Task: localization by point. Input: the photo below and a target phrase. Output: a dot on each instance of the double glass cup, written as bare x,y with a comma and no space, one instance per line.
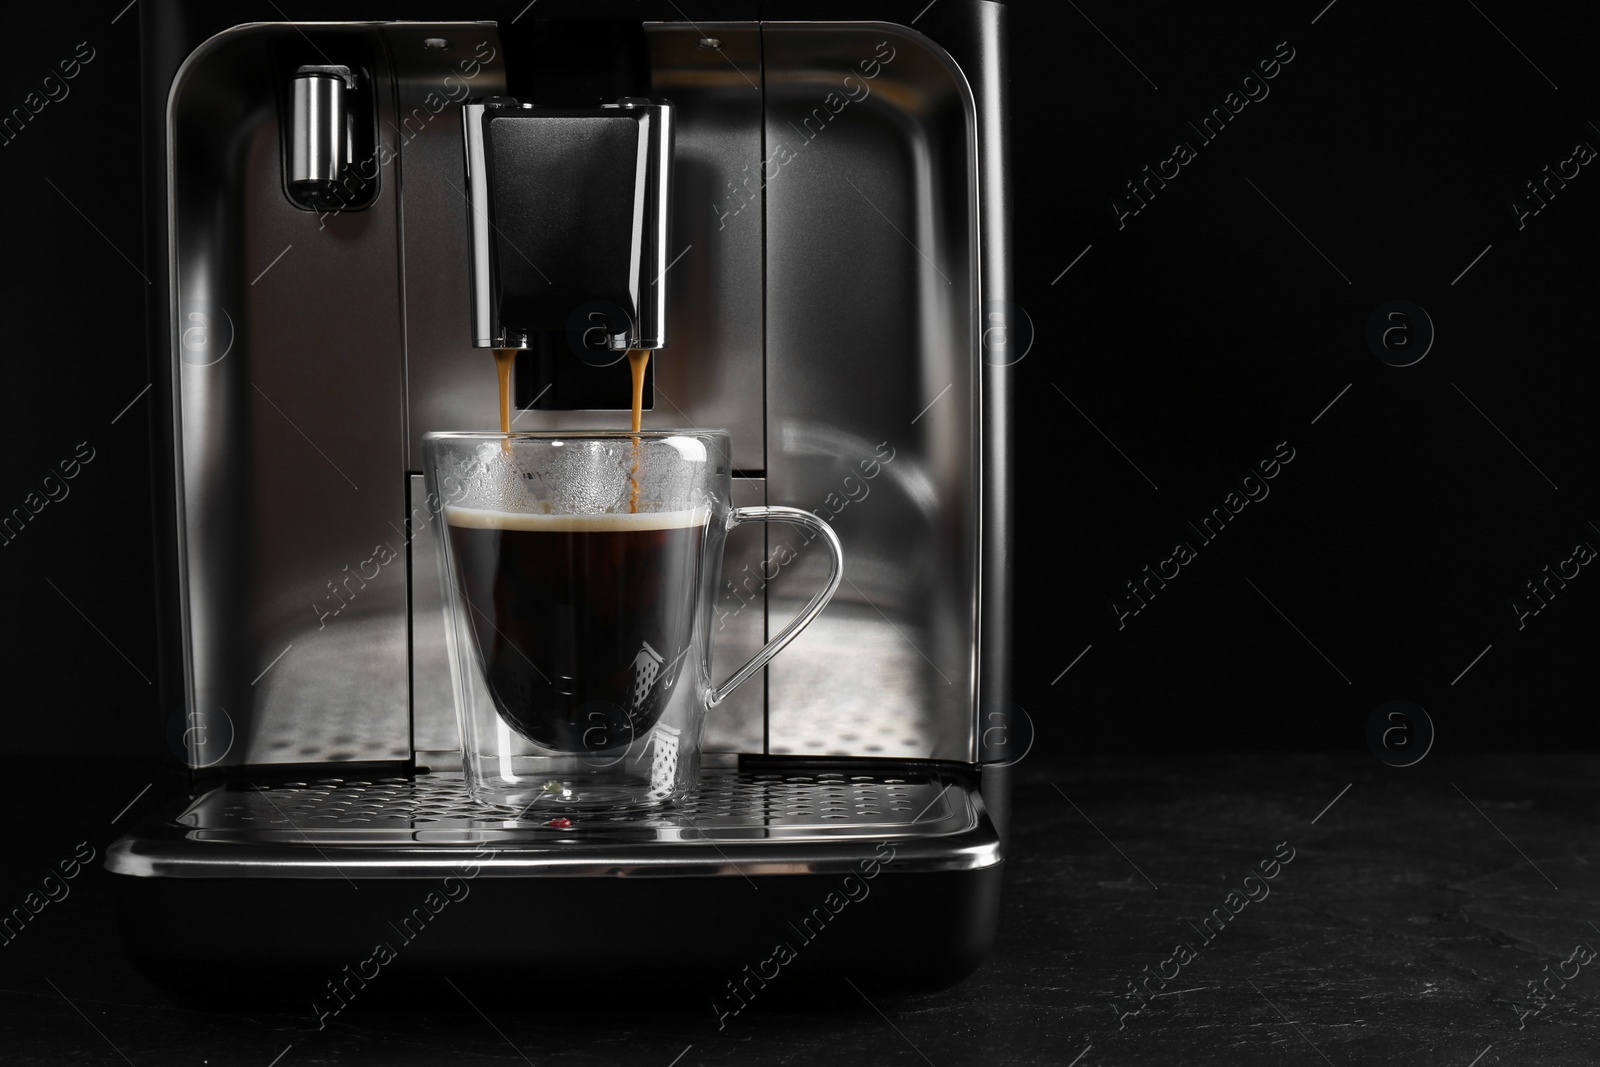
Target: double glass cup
580,574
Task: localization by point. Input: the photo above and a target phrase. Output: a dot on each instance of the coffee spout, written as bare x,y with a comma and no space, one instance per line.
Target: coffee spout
569,216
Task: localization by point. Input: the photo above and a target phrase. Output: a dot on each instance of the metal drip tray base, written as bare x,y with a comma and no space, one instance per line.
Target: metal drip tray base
838,863
737,822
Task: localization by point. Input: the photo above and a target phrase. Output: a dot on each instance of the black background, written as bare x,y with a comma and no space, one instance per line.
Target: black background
1217,322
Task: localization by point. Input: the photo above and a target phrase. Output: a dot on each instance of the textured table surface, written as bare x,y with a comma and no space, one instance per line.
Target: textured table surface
1438,914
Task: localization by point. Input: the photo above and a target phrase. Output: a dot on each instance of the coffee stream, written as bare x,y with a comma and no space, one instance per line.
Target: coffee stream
503,358
638,360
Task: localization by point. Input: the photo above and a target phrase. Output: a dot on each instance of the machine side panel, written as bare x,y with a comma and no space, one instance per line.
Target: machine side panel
873,387
287,378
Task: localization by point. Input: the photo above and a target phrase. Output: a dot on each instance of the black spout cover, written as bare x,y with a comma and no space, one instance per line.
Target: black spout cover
572,212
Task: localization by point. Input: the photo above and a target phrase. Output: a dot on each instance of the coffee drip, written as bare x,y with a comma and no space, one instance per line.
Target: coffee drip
638,360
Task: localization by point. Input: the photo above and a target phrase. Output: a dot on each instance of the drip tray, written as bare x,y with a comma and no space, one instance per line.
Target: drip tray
737,822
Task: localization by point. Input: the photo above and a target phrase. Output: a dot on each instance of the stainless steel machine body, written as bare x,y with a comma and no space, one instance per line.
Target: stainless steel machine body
838,252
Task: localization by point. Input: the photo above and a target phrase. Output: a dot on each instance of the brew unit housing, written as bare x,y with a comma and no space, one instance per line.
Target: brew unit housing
808,216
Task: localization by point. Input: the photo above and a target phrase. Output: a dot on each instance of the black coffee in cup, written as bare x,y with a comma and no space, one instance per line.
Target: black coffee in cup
580,622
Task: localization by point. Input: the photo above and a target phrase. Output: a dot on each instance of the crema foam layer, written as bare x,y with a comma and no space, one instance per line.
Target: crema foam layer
492,519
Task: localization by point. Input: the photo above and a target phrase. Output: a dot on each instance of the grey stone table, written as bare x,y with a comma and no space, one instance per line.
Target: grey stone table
1167,909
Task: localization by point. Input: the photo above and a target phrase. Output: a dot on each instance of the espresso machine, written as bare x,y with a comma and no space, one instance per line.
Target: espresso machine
804,214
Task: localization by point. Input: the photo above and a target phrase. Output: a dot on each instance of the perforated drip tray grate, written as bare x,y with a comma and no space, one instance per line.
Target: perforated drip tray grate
724,802
736,821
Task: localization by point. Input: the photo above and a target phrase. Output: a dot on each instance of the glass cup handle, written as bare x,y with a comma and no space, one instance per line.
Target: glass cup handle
818,602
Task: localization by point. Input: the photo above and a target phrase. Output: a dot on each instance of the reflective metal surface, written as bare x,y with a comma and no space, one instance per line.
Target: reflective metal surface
288,385
873,415
449,384
738,822
319,129
984,59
